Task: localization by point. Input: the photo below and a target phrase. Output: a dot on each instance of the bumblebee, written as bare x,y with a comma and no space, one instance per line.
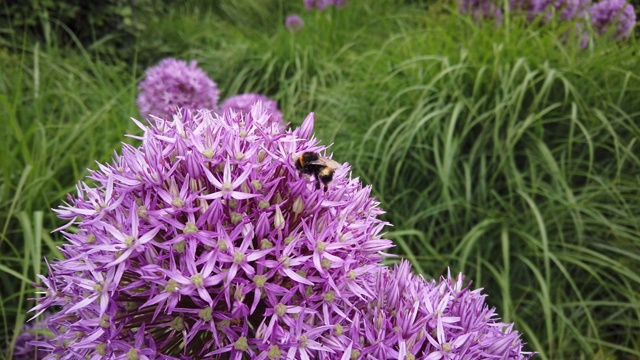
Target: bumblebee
320,167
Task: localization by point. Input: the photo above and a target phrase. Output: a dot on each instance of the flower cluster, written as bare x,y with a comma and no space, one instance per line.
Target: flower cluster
480,9
566,9
408,317
244,102
618,14
206,242
323,4
607,13
30,334
293,22
172,84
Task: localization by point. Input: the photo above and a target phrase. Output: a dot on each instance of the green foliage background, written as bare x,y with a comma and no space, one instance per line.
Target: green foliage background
504,152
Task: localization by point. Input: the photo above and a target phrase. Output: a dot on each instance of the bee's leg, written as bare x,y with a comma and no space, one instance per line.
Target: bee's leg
317,183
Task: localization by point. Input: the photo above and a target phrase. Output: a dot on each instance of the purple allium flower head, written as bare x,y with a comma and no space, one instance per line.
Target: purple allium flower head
26,346
206,242
323,4
617,13
480,9
172,84
294,22
567,9
410,318
244,103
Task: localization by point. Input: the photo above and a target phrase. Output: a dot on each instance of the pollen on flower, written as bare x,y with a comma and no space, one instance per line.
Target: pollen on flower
142,212
177,324
238,257
241,344
177,202
329,296
235,217
281,309
259,280
337,330
266,244
190,228
179,246
129,240
274,352
325,263
208,153
132,354
97,287
351,275
105,321
206,314
285,261
256,185
197,280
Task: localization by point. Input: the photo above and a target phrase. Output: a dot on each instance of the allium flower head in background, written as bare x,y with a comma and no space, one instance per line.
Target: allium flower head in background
411,318
323,4
172,84
617,13
565,9
243,103
206,242
481,10
26,346
294,22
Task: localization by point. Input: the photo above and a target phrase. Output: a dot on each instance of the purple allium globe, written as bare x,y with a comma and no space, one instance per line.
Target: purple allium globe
480,10
407,317
206,242
26,346
172,84
293,22
617,13
323,4
567,9
244,102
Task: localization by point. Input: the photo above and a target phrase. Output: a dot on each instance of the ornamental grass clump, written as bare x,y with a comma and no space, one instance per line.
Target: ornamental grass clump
206,242
173,84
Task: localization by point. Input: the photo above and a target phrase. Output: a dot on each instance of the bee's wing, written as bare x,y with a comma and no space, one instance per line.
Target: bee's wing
326,162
